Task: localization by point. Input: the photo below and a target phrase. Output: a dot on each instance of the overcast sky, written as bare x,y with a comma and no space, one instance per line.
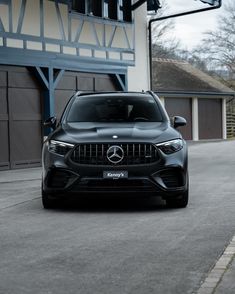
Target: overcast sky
189,29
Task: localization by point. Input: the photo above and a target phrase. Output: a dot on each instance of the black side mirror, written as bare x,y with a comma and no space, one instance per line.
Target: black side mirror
179,121
50,122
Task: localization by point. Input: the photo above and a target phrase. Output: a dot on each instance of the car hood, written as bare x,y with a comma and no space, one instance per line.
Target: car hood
102,132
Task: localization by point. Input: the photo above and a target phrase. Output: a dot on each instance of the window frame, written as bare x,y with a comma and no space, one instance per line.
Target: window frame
106,8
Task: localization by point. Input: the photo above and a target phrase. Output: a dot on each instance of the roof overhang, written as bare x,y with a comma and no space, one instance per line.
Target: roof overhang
183,94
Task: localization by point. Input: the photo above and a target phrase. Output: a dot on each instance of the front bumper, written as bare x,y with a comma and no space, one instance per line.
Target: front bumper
165,178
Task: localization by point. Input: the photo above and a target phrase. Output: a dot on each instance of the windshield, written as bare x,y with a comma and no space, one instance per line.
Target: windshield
114,109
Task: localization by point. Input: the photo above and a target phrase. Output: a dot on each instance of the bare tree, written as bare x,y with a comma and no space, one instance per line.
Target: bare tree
218,47
164,46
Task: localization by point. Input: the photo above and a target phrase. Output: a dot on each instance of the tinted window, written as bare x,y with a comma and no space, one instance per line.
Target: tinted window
114,109
112,9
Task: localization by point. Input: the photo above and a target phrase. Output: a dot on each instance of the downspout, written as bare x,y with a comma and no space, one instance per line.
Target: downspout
166,17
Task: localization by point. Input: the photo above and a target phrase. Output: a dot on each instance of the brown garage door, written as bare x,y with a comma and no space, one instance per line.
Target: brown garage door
20,119
210,118
74,81
182,107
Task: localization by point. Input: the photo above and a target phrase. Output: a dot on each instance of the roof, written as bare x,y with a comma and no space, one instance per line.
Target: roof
179,76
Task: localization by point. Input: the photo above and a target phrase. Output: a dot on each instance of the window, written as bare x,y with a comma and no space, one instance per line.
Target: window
96,7
127,12
105,108
88,7
112,9
120,10
79,6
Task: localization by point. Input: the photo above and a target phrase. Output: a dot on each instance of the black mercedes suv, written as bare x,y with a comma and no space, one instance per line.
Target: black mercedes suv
115,142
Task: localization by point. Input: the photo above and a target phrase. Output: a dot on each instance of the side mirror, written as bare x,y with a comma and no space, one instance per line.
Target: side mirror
50,122
179,121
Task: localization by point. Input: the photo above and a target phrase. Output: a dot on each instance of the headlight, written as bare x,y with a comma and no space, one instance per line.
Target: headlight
59,147
171,146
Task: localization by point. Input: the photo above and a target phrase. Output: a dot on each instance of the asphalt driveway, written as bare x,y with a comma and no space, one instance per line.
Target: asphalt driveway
117,246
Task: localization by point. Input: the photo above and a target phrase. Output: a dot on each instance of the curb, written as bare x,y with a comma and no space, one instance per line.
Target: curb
215,276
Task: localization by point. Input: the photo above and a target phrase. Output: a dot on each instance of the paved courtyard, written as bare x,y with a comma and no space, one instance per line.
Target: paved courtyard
117,245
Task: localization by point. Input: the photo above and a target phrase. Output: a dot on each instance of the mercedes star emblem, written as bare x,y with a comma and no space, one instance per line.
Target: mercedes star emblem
115,154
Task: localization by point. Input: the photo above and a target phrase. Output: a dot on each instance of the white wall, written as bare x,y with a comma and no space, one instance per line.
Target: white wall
138,76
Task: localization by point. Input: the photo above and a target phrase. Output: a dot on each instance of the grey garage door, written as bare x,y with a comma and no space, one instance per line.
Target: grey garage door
210,118
4,117
21,111
20,119
74,81
182,107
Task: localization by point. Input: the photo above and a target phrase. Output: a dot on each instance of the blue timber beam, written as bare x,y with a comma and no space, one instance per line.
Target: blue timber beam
137,4
120,80
151,4
49,79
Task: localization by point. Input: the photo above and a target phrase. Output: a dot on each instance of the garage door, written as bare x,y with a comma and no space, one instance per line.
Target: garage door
210,118
21,111
74,81
4,146
20,119
181,107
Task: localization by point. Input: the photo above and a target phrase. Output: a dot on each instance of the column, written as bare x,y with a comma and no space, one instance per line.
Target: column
162,101
224,119
195,129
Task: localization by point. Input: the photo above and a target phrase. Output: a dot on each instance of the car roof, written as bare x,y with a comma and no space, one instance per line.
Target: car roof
115,94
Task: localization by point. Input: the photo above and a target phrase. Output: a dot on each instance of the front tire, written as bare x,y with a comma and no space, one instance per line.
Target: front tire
180,202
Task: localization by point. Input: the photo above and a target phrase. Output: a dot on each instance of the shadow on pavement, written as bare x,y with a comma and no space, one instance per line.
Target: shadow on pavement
110,204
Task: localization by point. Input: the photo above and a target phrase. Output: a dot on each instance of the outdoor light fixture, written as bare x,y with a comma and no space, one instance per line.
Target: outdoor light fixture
153,5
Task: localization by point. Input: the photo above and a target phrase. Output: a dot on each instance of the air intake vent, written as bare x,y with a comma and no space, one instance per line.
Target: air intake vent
58,179
96,154
172,178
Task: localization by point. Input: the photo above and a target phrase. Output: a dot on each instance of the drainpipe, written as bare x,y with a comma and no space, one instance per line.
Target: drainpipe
166,17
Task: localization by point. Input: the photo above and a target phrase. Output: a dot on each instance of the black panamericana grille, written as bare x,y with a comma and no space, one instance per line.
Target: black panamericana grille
96,154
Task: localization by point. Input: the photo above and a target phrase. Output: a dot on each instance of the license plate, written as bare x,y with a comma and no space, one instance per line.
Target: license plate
115,174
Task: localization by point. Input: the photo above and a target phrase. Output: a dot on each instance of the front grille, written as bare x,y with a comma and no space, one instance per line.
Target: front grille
96,154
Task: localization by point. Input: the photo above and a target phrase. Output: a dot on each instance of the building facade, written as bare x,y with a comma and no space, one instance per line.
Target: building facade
50,49
193,94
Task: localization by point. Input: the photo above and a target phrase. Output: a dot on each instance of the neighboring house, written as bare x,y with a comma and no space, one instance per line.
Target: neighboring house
50,49
193,94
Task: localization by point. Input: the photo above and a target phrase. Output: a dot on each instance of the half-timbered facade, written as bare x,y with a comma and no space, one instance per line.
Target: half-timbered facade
49,49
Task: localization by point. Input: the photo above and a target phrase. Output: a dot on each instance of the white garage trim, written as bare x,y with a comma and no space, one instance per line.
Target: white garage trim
162,101
224,119
195,129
